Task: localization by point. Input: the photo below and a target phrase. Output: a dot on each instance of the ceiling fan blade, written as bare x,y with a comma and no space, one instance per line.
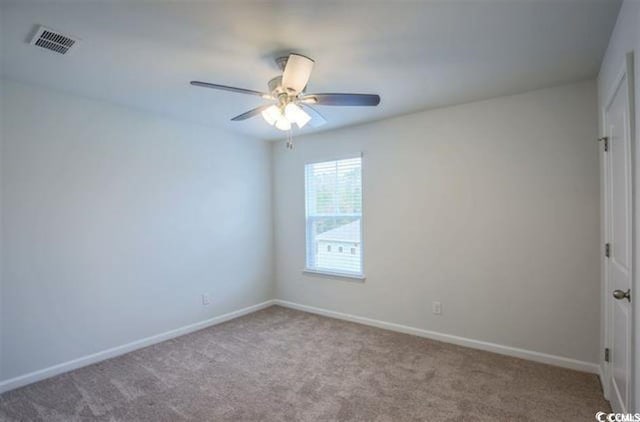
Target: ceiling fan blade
230,88
317,119
251,113
342,99
297,72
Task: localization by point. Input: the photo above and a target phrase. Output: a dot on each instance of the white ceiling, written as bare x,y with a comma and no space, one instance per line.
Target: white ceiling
416,55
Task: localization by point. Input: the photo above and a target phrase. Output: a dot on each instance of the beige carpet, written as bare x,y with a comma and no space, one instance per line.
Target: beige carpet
284,365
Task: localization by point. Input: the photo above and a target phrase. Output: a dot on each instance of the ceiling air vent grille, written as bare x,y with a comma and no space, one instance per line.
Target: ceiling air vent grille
52,40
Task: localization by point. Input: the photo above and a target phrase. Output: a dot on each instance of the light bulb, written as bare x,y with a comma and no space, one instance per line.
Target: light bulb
295,114
283,124
272,114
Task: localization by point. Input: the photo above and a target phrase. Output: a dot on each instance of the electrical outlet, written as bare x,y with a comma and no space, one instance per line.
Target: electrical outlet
206,300
437,308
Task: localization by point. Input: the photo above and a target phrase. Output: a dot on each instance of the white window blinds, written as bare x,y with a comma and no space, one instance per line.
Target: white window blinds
333,191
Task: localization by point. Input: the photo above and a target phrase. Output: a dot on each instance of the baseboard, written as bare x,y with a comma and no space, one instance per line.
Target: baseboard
447,338
51,371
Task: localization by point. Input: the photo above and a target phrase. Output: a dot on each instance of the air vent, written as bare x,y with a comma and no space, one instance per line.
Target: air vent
53,40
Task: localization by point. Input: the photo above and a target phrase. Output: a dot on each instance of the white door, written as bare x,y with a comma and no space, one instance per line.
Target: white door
618,293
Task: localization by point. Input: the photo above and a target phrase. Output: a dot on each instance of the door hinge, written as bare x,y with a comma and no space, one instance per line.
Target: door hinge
607,250
606,354
605,141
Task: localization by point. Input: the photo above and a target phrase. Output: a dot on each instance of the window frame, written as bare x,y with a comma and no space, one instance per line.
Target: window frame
322,272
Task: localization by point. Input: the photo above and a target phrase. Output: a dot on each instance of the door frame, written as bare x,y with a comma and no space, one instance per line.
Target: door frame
627,71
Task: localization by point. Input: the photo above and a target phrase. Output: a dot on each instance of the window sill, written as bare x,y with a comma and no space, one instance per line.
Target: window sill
334,274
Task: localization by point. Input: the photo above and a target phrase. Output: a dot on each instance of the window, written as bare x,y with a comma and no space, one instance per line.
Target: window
333,192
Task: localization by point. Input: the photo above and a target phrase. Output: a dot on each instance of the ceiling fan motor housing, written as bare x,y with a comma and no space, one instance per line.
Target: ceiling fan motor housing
275,85
282,62
281,95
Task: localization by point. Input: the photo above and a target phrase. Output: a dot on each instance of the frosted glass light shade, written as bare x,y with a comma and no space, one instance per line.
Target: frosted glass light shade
272,114
295,114
283,124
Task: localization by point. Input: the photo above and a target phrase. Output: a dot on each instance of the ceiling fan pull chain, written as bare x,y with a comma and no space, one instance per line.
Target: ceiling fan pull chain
289,140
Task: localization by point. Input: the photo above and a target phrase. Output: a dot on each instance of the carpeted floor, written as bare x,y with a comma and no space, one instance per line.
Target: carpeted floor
283,365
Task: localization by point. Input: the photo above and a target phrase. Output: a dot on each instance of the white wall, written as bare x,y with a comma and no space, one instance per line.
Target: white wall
114,223
489,207
624,39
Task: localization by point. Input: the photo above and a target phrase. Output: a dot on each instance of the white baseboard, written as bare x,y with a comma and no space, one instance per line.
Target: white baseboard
51,371
447,338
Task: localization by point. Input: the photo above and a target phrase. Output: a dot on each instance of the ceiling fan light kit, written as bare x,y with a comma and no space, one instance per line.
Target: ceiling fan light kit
294,113
290,103
272,114
283,124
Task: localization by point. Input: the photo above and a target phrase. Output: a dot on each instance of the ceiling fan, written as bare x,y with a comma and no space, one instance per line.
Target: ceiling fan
289,103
